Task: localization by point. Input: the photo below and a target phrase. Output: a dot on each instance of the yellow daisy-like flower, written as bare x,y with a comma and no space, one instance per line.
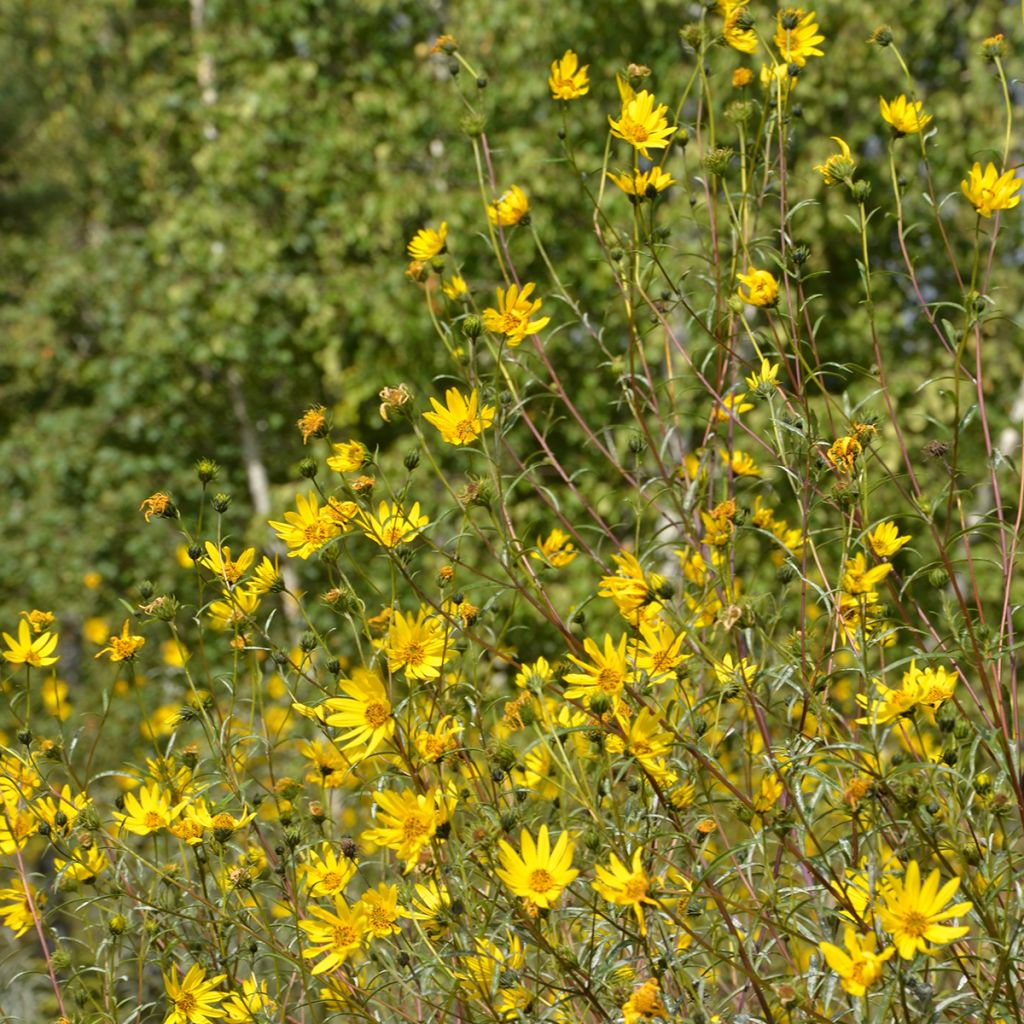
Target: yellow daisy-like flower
905,116
633,591
326,874
347,457
797,36
859,579
150,811
428,243
660,651
885,539
228,569
382,911
364,716
512,317
761,287
418,645
308,529
556,549
640,185
16,907
392,525
252,1003
766,379
644,1004
568,81
539,873
431,906
606,673
455,287
737,30
625,886
123,647
838,167
642,124
266,577
334,936
913,913
407,822
859,966
193,999
989,190
39,620
34,651
509,209
460,420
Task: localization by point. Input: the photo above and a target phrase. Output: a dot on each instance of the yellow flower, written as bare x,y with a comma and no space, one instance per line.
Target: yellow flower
234,608
737,30
460,421
539,873
325,874
16,907
643,125
123,647
433,744
512,317
797,36
625,886
860,967
762,288
556,549
643,184
37,652
54,692
407,823
85,864
428,243
509,209
266,577
766,379
308,529
392,526
159,504
859,579
885,539
347,457
989,190
431,907
742,77
633,592
906,117
150,811
418,646
455,287
660,651
220,562
912,913
334,936
364,716
740,463
607,673
839,166
243,1007
643,1004
930,687
382,911
568,80
313,422
844,452
192,1000
39,620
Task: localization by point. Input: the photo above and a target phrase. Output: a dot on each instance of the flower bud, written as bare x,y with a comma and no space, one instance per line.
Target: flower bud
221,502
308,467
472,326
206,470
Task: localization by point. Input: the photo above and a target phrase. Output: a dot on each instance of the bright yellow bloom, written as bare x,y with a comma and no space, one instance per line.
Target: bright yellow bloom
220,562
643,184
642,124
660,651
85,865
740,463
455,287
797,36
742,77
929,687
407,823
732,405
419,646
234,608
989,190
159,504
512,317
556,549
308,529
625,886
762,288
428,243
382,911
844,452
334,936
461,420
539,873
123,647
64,804
251,1004
568,80
912,912
766,378
860,966
838,167
509,209
433,744
193,999
633,592
150,811
392,526
16,907
885,539
738,35
37,652
326,874
39,620
347,457
364,716
266,577
431,907
643,1004
906,117
607,673
859,579
312,423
